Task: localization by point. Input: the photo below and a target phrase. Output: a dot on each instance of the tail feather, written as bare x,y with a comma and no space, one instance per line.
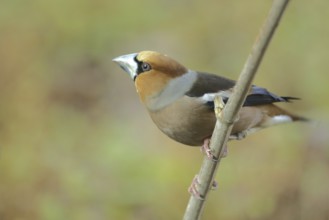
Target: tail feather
299,118
274,110
294,117
289,98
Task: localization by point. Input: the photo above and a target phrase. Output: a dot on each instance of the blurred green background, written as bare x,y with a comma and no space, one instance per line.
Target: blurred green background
75,142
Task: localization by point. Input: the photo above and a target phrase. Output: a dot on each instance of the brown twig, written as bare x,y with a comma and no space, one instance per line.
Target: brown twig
226,118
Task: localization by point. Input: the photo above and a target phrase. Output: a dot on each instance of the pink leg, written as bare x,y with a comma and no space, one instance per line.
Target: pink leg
206,149
193,188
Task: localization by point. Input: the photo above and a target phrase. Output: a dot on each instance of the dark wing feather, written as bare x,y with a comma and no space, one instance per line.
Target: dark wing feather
210,83
260,96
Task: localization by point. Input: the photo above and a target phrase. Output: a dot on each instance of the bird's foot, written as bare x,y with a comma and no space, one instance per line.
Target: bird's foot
194,191
193,188
209,152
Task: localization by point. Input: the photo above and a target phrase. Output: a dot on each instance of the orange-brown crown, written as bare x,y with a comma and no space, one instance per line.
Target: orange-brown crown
163,69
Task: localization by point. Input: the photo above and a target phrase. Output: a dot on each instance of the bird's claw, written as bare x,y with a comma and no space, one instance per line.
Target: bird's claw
208,151
194,191
193,188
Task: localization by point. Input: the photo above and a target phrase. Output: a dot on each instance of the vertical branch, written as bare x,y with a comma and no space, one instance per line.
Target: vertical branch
226,118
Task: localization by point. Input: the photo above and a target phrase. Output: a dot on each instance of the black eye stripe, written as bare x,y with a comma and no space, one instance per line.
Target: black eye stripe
139,66
142,66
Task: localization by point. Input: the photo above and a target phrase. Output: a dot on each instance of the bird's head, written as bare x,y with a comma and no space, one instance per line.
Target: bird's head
150,63
159,79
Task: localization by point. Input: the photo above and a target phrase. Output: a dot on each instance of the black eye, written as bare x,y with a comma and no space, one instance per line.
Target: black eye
145,67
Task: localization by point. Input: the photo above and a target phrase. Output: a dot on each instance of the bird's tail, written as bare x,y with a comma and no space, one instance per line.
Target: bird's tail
289,98
277,111
294,117
299,118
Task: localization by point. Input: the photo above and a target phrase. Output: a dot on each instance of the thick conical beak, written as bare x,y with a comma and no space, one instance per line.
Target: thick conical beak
128,64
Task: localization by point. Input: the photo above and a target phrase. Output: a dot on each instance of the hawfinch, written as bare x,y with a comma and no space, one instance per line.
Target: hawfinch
180,101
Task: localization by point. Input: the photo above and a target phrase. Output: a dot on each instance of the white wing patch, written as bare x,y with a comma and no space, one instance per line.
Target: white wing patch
209,97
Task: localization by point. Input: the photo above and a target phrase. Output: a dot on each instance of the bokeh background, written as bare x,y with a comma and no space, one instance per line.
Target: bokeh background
75,142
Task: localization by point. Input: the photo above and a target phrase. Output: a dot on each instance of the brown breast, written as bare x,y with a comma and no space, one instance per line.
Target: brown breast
186,121
189,121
